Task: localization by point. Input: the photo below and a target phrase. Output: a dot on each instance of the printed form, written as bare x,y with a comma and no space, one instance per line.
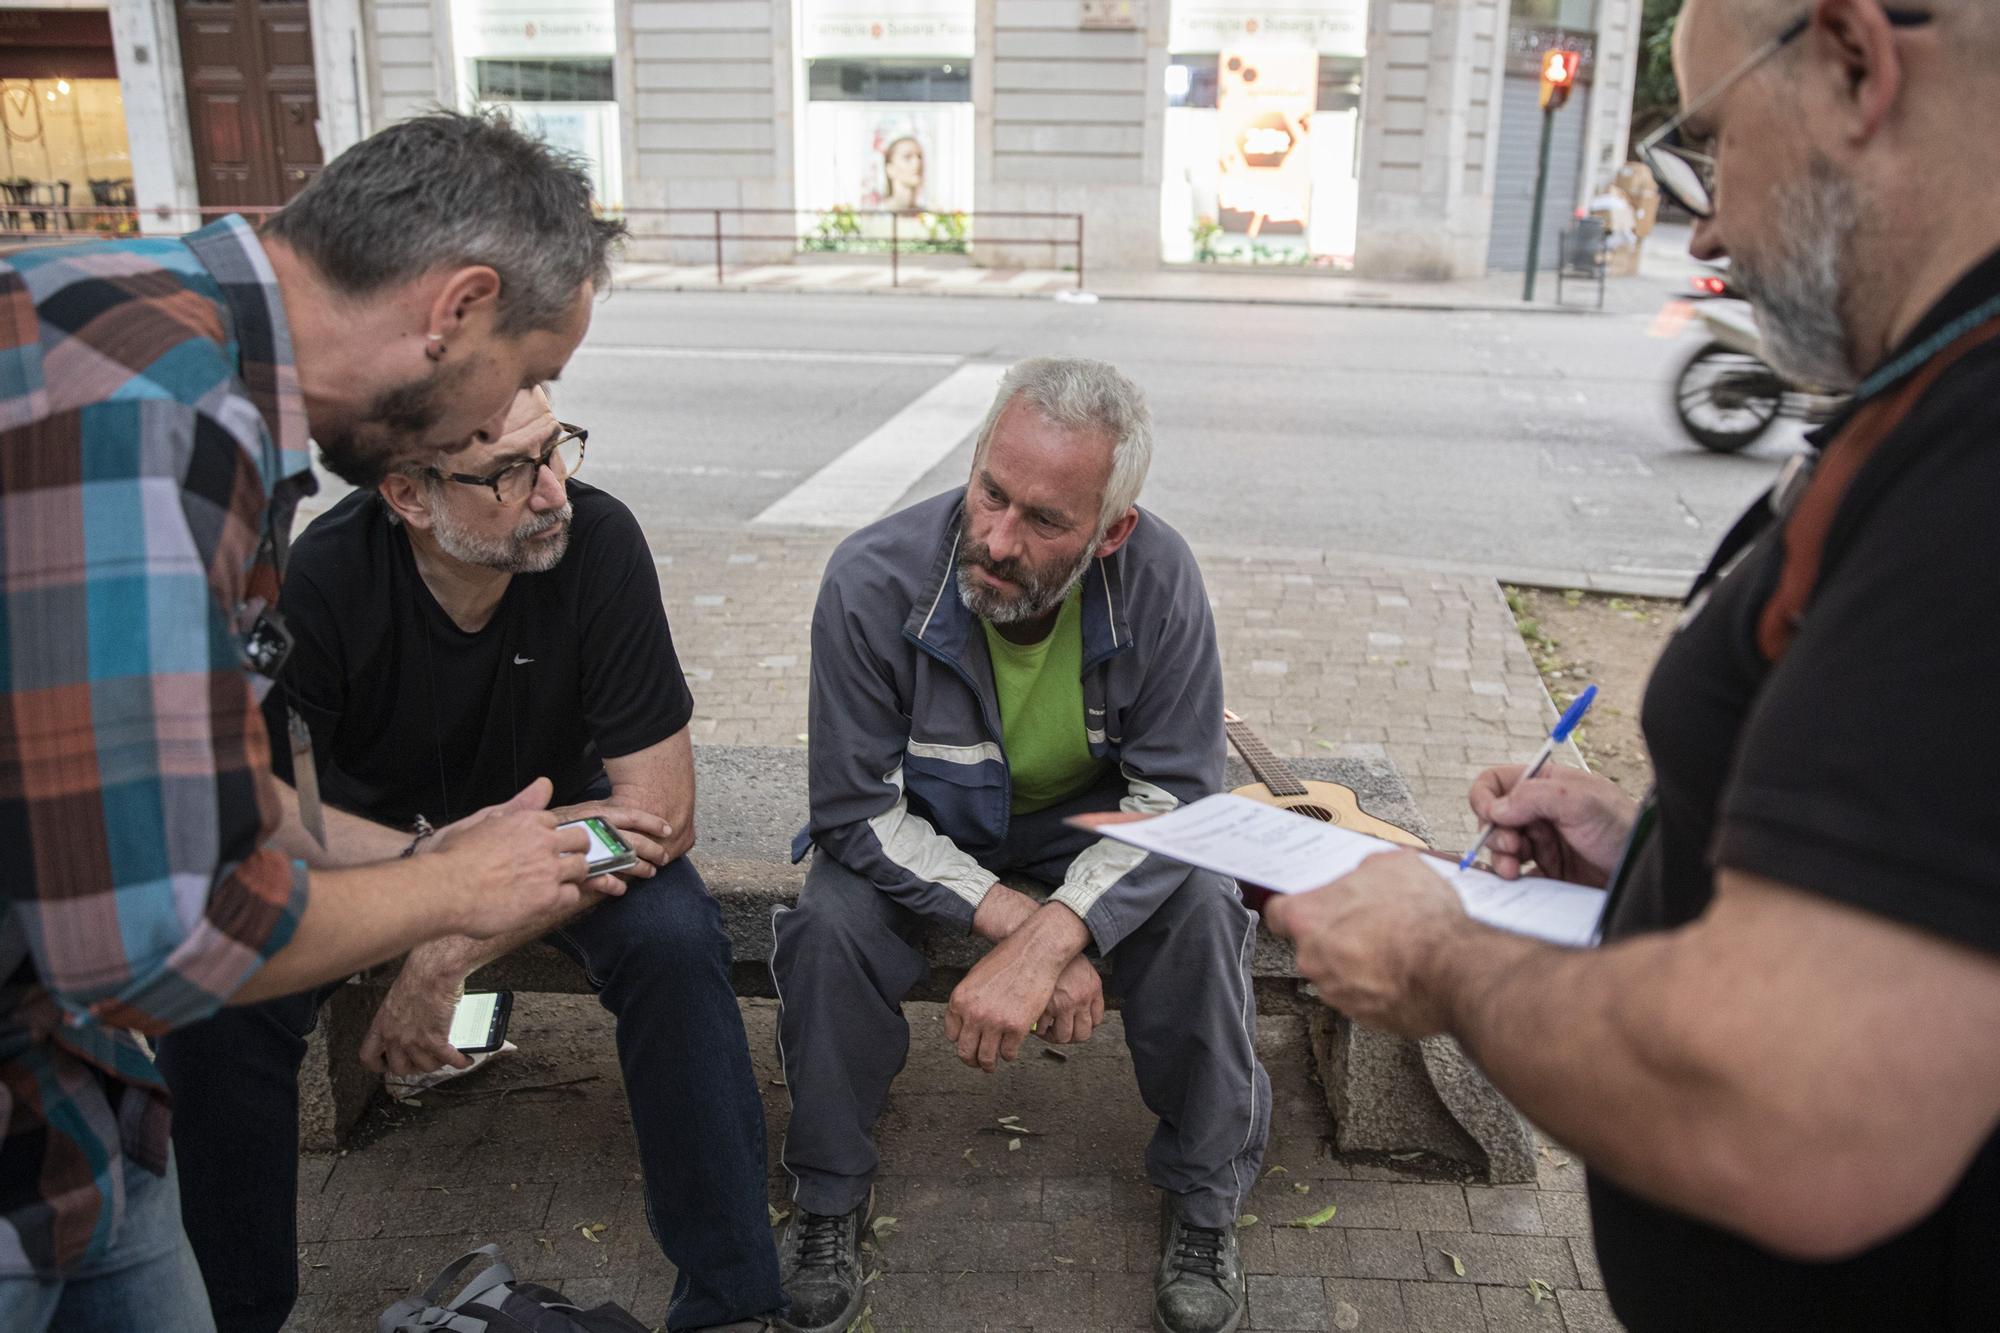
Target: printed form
1287,853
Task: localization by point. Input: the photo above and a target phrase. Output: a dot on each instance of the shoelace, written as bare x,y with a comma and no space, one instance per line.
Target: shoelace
821,1241
1199,1251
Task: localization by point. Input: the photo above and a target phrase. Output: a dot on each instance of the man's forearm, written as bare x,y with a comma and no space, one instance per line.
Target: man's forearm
1591,1046
350,839
353,920
458,956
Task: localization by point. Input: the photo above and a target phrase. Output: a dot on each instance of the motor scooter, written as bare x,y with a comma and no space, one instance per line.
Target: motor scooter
1727,395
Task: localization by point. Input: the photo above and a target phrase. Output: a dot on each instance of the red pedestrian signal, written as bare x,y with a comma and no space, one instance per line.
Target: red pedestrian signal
1558,77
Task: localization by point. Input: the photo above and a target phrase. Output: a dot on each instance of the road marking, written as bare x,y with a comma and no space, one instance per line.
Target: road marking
858,486
776,354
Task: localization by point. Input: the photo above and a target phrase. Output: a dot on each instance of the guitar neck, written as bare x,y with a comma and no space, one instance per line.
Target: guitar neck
1268,769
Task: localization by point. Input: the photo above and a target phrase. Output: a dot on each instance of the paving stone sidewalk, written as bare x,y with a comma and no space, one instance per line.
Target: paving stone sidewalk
1320,655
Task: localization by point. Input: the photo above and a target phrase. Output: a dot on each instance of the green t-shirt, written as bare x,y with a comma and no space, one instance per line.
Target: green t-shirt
1041,711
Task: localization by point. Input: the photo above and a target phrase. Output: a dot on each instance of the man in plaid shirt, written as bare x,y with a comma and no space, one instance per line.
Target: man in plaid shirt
156,399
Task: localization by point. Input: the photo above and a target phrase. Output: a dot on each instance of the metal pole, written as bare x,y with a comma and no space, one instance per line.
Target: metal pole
718,249
1541,196
895,249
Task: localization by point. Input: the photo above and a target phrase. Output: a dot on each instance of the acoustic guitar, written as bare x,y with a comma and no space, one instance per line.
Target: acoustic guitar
1328,802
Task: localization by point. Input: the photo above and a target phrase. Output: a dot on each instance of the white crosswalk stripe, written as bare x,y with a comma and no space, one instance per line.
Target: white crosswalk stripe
861,484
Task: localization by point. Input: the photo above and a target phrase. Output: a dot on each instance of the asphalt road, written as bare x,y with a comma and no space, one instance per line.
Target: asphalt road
1529,446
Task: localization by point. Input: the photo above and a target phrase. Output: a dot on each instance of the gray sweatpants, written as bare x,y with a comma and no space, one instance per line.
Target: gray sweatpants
844,959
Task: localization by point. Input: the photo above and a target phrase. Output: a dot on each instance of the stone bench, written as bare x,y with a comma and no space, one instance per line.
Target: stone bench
1386,1094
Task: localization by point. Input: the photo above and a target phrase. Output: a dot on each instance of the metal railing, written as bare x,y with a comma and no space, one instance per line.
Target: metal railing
876,232
862,232
42,223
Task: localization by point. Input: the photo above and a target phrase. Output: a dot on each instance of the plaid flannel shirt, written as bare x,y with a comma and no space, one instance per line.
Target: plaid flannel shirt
153,443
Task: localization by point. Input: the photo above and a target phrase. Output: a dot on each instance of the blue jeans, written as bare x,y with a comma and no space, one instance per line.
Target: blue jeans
148,1281
659,961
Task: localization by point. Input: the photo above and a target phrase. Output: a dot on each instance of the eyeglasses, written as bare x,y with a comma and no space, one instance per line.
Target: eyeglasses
516,482
1688,175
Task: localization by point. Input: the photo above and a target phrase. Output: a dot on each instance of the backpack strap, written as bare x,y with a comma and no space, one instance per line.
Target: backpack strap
422,1311
1811,520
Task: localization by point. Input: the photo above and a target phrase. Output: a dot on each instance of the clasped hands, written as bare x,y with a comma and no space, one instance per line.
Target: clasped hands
1035,979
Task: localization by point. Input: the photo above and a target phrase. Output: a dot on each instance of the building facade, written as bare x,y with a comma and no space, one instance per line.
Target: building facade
1384,137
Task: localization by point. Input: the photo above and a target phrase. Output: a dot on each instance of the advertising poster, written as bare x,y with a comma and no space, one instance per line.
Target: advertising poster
905,157
1264,101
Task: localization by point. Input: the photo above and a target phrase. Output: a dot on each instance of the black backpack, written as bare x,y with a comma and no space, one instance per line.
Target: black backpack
495,1302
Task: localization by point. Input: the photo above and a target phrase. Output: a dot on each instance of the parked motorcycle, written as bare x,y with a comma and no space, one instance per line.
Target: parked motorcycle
1726,395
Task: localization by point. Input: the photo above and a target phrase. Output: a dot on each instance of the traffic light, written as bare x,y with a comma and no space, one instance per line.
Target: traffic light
1558,77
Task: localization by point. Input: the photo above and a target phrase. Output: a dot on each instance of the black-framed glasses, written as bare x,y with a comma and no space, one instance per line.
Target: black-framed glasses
516,482
1686,174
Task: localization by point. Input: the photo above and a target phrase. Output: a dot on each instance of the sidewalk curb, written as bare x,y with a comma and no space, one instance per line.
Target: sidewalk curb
1058,295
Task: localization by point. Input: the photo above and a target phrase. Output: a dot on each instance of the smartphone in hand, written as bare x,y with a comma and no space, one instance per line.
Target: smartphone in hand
608,852
479,1023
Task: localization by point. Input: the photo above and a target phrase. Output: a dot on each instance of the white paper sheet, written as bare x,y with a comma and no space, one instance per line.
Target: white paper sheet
1286,853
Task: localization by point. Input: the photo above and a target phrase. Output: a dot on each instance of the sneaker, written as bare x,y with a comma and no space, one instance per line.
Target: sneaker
1199,1286
819,1265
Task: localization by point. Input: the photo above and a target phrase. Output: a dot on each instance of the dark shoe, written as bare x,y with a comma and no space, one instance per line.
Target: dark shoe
1199,1285
819,1265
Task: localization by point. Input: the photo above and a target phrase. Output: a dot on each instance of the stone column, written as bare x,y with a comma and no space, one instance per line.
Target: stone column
709,120
1430,121
1068,120
148,48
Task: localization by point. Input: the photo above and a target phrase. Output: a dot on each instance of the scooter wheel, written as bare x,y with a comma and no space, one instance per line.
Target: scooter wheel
1726,400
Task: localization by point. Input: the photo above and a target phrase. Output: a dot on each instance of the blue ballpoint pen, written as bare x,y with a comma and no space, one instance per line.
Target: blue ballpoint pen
1571,716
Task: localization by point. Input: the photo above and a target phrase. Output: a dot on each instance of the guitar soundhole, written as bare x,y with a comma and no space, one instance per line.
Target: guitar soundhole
1323,815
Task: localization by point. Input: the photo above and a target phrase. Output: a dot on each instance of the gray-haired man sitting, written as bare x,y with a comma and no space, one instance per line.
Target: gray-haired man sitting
984,665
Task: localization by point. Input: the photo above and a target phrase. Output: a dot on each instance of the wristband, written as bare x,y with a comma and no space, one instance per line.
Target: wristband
424,830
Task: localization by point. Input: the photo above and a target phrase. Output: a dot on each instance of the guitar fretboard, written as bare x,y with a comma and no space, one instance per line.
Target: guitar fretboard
1270,770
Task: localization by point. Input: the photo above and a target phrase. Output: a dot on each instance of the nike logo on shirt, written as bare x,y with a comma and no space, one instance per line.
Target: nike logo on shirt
522,661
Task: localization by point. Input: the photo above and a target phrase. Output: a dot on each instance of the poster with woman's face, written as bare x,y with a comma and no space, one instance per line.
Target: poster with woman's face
903,157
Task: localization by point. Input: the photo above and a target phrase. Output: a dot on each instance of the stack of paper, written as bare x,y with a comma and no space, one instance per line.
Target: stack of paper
1287,853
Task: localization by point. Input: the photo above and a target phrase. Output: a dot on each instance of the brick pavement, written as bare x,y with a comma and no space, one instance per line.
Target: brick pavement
1320,654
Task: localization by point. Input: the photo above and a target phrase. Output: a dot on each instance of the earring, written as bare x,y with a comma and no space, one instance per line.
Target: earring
436,350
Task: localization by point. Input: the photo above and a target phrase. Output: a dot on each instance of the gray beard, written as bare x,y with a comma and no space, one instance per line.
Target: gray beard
1036,599
1798,292
513,554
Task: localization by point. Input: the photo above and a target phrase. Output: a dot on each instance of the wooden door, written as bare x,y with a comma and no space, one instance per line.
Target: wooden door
253,103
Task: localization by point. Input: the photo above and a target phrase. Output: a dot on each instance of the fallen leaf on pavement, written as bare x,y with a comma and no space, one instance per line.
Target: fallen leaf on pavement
1457,1264
1318,1219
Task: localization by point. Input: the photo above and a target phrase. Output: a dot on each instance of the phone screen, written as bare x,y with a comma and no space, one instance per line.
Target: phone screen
472,1021
606,847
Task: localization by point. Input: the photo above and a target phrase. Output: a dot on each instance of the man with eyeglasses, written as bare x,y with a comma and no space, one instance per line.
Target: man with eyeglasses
1781,1066
478,619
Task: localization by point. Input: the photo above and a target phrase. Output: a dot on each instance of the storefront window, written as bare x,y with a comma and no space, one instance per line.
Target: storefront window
549,64
63,148
888,124
1263,133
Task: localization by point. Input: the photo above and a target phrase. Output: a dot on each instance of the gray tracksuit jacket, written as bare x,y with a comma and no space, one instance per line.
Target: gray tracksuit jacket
909,780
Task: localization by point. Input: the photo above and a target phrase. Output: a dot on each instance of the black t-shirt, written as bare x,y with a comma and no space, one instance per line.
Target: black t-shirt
1862,767
411,715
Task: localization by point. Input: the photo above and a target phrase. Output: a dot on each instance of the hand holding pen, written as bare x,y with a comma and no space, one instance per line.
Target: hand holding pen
1568,723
